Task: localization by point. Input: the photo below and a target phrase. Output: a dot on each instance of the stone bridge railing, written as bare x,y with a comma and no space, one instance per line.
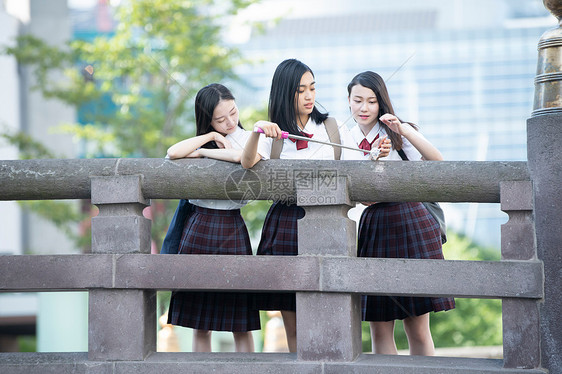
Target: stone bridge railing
122,278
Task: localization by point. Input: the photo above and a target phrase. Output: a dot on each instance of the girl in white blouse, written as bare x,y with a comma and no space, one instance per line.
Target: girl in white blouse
292,109
215,227
395,229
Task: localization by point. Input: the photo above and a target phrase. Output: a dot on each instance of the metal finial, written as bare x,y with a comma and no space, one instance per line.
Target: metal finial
548,82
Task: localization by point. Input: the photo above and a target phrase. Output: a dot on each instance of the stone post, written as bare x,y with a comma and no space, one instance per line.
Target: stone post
544,137
521,338
122,323
328,324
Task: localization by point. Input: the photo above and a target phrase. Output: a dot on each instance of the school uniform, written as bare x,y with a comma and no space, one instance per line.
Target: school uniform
279,233
215,227
398,230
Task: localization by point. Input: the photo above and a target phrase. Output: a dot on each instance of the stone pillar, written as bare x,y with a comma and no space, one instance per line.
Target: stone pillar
122,323
328,324
521,337
544,136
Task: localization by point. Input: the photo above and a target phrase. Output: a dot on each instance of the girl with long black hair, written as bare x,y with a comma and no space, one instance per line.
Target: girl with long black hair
395,230
292,108
215,227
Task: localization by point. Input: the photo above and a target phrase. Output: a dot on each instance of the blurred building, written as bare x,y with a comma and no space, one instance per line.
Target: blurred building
462,70
59,320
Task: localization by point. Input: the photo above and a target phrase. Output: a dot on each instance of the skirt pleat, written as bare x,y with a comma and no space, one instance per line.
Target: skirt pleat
399,230
279,238
213,232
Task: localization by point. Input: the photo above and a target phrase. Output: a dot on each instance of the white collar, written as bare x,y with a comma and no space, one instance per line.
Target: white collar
358,135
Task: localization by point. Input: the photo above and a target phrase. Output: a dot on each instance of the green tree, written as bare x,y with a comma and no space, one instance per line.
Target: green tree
134,89
473,322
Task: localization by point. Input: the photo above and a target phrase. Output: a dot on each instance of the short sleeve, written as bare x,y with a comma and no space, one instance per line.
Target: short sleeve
411,151
264,147
347,140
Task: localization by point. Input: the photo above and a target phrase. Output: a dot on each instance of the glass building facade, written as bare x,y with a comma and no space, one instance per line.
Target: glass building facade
469,86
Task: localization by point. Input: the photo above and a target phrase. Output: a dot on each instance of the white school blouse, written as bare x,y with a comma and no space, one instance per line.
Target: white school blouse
314,151
411,151
238,140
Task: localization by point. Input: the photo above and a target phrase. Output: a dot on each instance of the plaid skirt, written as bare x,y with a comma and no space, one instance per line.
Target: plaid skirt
214,231
279,238
399,230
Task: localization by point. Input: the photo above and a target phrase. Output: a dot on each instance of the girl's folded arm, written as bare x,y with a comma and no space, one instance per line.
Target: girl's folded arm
230,154
186,147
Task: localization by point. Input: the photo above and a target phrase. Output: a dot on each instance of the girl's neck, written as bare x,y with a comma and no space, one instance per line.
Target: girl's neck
366,129
302,121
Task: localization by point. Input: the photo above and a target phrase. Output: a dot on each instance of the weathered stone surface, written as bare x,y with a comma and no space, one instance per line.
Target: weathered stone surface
200,272
516,195
120,189
251,363
456,181
545,165
290,273
338,317
327,231
433,277
386,364
55,272
220,363
326,188
52,363
120,234
122,324
120,226
521,334
518,240
518,233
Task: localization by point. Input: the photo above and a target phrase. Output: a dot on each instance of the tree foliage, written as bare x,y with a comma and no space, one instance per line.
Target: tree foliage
134,88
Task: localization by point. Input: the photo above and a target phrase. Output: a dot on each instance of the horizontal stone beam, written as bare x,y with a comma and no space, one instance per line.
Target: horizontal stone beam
251,363
55,272
449,181
475,279
478,279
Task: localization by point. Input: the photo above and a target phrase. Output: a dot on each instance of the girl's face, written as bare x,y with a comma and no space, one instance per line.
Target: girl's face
364,105
305,96
225,117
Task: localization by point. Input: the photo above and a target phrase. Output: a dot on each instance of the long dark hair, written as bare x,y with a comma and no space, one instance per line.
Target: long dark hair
375,82
284,86
206,101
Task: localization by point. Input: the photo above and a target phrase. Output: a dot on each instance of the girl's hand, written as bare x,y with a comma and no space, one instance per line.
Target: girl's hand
220,140
384,145
393,123
270,129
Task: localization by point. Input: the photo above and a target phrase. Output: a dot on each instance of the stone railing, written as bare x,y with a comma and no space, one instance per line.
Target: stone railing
122,278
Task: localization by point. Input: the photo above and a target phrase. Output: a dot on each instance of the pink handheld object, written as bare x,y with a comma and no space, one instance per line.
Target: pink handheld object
284,134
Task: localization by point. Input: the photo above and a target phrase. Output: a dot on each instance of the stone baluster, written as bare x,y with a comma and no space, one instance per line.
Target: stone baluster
328,324
521,337
122,323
